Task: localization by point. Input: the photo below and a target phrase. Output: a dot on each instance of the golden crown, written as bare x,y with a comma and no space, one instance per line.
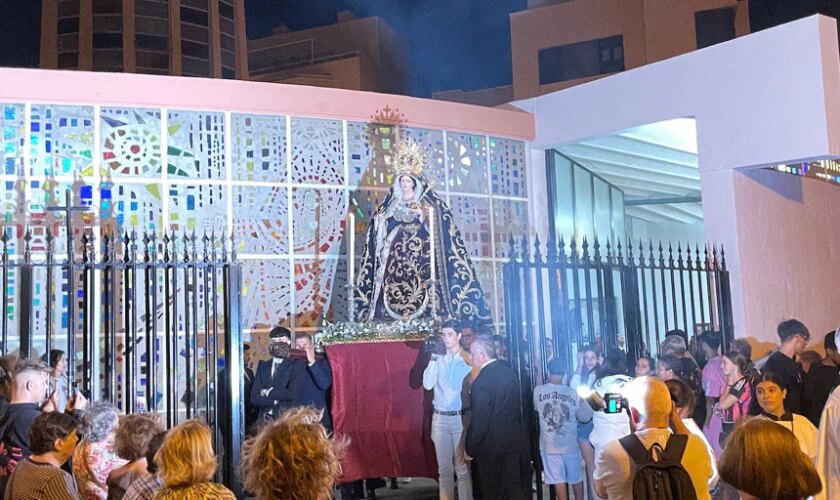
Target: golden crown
409,158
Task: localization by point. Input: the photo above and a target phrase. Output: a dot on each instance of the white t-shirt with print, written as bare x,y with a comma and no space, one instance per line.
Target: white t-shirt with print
557,406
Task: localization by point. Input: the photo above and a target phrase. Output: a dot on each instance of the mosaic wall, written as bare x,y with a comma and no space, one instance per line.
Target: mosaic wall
284,184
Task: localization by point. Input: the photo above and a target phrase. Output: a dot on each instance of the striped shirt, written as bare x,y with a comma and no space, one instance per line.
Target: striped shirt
36,481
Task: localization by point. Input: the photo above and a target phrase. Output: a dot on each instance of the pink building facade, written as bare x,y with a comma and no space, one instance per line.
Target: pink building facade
557,45
354,54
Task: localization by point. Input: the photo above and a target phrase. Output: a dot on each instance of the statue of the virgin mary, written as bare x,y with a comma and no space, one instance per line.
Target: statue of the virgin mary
393,281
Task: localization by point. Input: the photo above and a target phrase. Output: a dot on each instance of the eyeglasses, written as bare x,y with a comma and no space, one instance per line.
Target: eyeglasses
805,338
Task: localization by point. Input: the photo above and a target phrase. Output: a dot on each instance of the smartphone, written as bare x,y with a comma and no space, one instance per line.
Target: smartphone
614,403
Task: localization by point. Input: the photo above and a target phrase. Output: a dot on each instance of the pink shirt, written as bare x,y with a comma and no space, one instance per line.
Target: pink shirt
92,462
714,382
713,378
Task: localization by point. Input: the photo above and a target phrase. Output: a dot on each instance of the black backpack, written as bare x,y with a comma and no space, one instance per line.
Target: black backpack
665,479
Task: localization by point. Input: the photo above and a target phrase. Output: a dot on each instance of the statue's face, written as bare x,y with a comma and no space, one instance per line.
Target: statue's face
407,185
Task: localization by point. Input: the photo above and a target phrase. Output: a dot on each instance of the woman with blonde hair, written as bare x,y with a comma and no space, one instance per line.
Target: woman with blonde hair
130,442
763,461
186,463
292,458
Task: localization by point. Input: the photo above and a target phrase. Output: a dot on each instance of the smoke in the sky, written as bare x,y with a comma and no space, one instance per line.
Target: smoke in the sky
452,44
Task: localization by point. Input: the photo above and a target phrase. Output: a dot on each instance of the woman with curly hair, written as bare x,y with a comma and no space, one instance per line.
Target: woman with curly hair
292,458
95,457
130,443
763,461
187,464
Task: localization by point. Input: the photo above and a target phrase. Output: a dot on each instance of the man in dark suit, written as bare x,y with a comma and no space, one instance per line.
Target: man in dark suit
278,380
496,437
316,381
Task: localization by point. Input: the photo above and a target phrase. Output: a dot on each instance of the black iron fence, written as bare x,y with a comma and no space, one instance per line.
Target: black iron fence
560,296
143,319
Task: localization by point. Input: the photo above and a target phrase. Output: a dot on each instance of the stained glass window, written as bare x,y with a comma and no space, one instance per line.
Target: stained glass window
283,184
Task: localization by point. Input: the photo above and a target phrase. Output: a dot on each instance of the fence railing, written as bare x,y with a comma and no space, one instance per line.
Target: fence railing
144,320
561,296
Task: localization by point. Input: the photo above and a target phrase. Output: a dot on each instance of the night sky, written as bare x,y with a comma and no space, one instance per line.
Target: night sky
452,43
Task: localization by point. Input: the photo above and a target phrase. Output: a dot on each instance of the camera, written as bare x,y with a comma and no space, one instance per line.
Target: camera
609,403
434,345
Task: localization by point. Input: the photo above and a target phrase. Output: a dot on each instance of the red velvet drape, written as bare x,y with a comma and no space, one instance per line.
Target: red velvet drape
379,402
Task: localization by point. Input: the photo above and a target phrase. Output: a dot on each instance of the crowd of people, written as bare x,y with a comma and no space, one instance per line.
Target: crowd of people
714,424
55,444
723,401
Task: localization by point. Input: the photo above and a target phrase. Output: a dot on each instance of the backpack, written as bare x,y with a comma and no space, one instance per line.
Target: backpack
665,479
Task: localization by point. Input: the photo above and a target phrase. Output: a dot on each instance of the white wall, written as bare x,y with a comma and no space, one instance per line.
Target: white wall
767,98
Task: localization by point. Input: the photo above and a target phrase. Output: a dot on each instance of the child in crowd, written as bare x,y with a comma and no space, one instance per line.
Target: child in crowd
558,406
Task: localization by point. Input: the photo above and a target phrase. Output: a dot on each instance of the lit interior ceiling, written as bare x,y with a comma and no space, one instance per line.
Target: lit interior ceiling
655,165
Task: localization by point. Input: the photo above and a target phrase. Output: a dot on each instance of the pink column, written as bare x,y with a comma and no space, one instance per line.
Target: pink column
782,249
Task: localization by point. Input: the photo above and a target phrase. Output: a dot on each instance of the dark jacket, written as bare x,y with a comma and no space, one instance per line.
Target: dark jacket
285,387
313,391
792,374
15,423
496,426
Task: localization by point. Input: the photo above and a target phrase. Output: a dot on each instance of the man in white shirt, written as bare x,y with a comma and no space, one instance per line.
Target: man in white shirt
445,375
651,410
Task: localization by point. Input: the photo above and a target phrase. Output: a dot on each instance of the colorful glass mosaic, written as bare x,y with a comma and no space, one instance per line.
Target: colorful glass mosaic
317,152
258,147
363,202
11,153
318,220
467,162
198,208
129,207
507,167
266,292
13,201
369,145
478,233
360,151
511,220
45,193
260,219
293,275
313,282
62,139
196,145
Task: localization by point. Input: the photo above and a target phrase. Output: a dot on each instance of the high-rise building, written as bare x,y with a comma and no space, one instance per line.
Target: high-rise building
175,37
557,44
355,54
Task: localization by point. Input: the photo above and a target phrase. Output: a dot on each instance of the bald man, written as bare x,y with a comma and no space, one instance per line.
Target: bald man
651,412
